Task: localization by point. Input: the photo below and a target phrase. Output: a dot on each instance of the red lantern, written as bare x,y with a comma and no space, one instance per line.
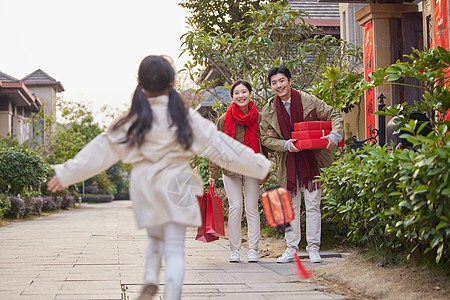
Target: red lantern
277,204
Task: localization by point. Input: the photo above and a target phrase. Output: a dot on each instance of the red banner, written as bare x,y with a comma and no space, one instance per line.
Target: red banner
369,67
440,28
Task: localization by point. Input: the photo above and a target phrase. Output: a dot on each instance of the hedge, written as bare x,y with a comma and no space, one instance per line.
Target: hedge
394,199
97,198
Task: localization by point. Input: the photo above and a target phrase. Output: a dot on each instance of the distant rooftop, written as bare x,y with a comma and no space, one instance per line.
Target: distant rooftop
38,75
315,9
6,78
40,78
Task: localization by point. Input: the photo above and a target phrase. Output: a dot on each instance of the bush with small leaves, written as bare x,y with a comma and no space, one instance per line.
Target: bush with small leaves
33,205
48,203
91,189
5,205
18,209
67,201
20,168
397,200
97,198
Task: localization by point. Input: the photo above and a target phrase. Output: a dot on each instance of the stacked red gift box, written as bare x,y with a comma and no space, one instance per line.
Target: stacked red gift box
309,135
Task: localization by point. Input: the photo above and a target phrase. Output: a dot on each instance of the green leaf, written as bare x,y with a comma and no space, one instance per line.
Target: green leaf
441,225
406,204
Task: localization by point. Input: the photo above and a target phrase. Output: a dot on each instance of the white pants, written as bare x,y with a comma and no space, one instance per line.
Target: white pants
165,241
233,187
313,219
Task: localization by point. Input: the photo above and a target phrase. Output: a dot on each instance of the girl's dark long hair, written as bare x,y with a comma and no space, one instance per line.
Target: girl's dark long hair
155,75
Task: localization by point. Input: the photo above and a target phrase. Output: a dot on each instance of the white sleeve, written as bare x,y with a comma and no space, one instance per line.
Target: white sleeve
335,137
226,152
97,156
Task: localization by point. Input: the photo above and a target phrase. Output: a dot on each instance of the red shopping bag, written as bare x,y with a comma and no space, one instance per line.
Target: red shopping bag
211,209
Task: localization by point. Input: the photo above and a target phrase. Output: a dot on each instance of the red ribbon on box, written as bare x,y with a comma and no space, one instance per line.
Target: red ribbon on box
312,125
314,144
310,134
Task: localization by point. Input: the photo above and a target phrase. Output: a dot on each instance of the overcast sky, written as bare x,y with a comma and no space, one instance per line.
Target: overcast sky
93,47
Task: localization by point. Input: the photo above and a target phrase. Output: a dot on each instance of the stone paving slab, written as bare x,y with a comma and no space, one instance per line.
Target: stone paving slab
96,251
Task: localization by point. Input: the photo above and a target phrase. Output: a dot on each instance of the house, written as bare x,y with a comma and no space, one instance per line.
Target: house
324,15
20,98
387,30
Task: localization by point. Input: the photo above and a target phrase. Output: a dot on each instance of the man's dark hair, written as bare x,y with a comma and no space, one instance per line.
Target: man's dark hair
279,70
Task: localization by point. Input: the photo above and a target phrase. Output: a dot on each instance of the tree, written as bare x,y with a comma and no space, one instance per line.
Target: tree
188,89
219,15
271,35
72,133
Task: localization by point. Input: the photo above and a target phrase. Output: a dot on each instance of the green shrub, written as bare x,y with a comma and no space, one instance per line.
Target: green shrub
394,199
5,205
20,168
18,208
67,201
48,203
33,205
97,198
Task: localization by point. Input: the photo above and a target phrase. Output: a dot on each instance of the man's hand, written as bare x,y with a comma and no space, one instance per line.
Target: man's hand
331,145
292,147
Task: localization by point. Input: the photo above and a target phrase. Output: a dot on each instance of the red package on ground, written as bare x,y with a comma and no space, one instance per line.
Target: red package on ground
312,125
310,134
314,144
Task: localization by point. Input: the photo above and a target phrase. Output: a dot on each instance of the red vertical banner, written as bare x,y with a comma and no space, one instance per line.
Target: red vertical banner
369,67
440,29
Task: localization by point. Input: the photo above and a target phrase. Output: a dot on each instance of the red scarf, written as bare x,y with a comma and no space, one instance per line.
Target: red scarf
235,114
303,163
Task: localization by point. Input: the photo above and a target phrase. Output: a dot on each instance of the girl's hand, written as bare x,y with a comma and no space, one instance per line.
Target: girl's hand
54,185
212,181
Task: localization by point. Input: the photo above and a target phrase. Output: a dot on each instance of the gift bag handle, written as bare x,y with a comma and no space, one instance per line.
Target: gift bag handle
211,189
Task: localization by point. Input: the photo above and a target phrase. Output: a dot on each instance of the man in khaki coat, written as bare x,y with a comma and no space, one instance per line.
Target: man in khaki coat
297,169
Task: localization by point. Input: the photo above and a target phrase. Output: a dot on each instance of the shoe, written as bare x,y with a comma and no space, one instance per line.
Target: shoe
288,255
148,292
235,256
314,256
252,255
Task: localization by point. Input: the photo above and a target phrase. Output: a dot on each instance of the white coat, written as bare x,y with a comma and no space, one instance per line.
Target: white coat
163,187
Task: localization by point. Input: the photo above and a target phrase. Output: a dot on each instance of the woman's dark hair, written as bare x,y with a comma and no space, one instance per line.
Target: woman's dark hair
279,70
155,75
238,82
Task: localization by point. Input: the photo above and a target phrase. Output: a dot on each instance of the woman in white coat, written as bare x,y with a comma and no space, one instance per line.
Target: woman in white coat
158,137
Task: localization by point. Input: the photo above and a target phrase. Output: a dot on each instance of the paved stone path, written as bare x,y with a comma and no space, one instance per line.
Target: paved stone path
98,253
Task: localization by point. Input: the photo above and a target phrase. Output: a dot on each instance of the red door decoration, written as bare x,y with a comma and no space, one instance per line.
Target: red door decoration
440,29
369,67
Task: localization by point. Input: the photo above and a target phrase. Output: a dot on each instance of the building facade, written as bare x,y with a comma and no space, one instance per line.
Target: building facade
19,99
387,30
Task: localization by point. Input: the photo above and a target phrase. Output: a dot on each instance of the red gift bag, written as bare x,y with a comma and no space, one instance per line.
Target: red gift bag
212,217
